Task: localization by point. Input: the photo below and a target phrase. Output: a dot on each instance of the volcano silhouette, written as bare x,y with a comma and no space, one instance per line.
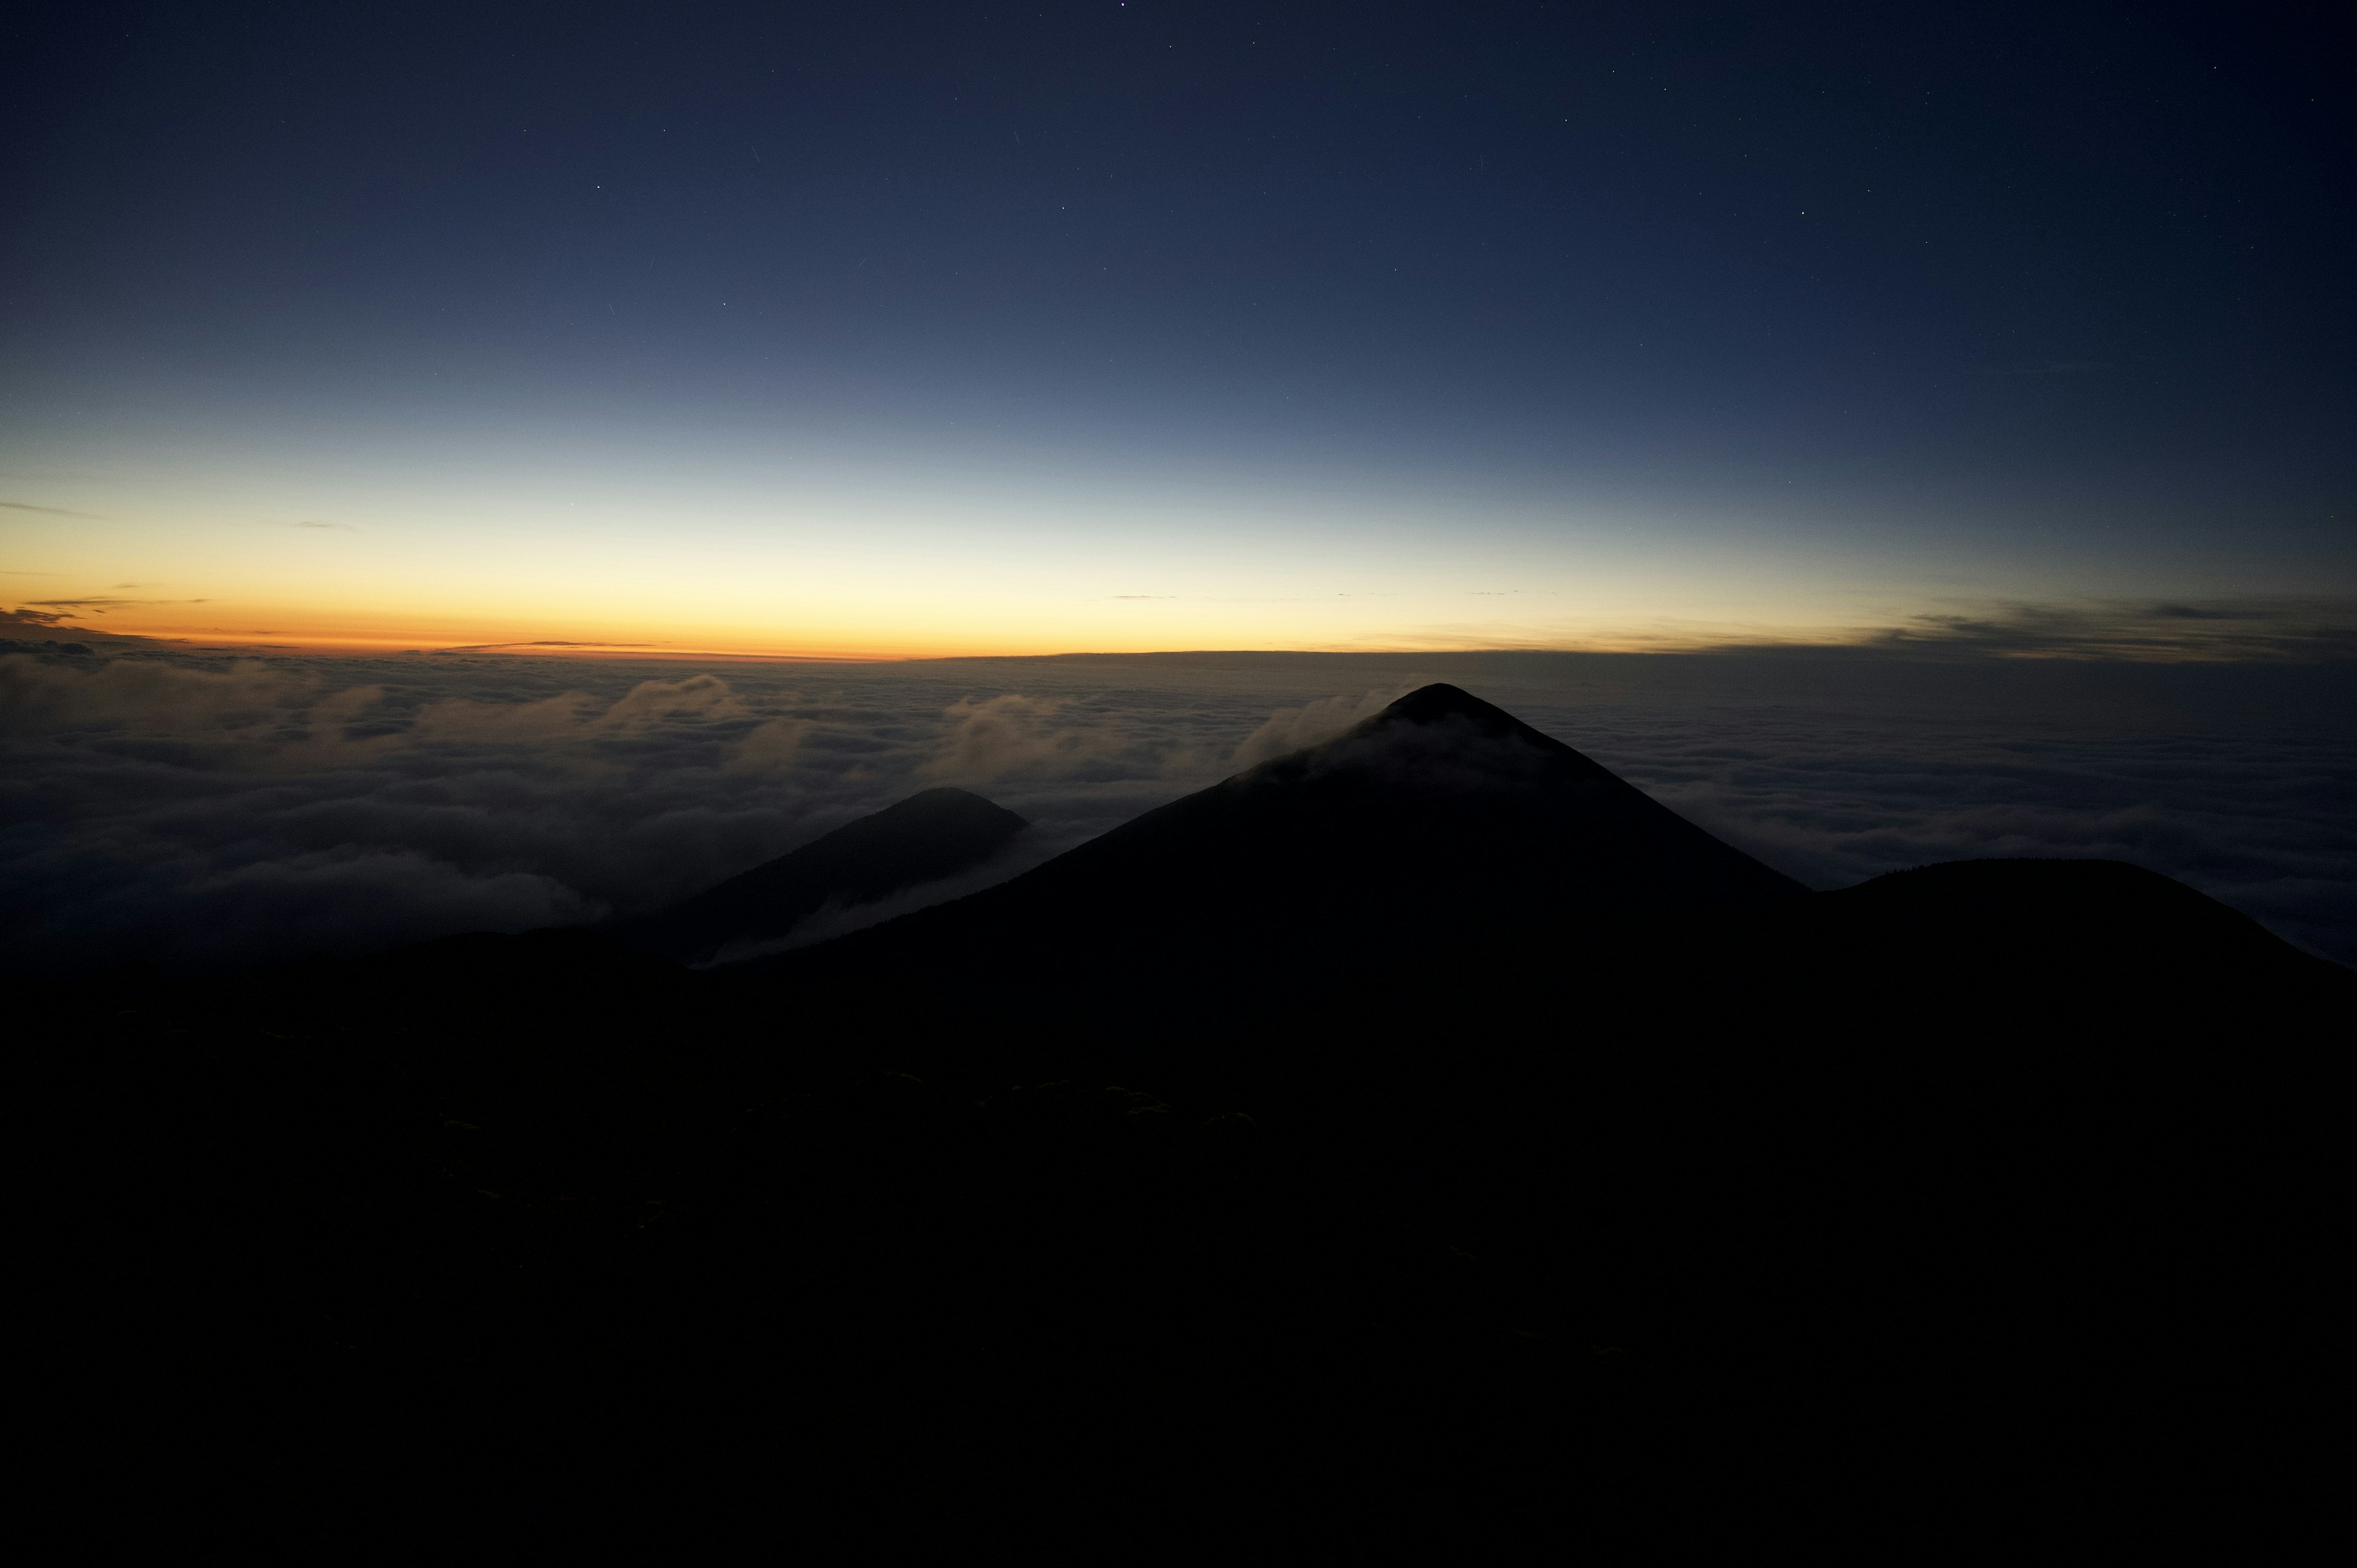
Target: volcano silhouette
1440,812
1441,825
1439,805
1436,814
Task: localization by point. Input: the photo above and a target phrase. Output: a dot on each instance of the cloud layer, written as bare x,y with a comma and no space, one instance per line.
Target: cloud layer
2280,629
203,812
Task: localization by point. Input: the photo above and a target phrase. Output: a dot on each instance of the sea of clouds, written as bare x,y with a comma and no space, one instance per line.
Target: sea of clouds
210,809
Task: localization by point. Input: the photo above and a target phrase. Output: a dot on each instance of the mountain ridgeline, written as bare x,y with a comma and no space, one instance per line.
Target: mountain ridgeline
1429,1097
925,837
1444,881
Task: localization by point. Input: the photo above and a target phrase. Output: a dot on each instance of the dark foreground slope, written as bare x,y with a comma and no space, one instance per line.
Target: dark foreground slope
928,836
1425,1126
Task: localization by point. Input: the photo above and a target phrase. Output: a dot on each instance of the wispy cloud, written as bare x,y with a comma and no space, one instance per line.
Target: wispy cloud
28,616
1290,728
102,605
544,642
51,511
2311,628
2303,629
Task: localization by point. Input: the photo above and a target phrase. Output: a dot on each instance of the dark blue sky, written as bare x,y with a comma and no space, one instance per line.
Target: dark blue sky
2046,300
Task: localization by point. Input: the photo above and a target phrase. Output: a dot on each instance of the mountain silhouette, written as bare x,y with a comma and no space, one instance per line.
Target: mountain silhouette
1441,813
1429,1097
1439,806
1238,925
924,838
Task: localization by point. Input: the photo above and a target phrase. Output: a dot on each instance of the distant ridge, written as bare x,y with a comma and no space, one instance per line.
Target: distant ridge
924,838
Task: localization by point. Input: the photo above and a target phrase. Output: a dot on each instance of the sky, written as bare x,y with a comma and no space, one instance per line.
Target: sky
934,330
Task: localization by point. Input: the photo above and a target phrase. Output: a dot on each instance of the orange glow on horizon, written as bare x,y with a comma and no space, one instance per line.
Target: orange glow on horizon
985,633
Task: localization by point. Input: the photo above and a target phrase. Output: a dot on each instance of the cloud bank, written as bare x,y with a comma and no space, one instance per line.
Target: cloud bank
205,811
2303,630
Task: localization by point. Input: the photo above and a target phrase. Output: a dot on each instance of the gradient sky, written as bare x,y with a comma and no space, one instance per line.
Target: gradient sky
983,328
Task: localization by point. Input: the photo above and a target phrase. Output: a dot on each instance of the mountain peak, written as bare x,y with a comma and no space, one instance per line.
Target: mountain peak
1446,739
946,799
1441,702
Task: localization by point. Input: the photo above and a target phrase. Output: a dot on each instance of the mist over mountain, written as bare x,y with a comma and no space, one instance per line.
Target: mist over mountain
1339,908
1441,820
1426,804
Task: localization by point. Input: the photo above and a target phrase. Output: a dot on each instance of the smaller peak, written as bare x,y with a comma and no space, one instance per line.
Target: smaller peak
944,800
937,794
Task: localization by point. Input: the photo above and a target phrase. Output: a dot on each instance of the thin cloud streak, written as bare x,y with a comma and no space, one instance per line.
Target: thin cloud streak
100,604
2283,628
